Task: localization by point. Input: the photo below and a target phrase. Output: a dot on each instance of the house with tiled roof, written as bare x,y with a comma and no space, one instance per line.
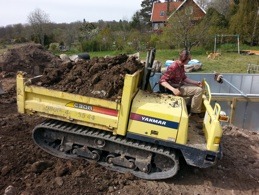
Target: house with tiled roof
162,11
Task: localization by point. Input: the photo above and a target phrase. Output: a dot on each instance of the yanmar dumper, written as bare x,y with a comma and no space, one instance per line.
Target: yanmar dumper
141,132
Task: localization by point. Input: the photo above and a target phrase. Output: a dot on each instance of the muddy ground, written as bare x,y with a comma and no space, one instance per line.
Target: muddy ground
26,169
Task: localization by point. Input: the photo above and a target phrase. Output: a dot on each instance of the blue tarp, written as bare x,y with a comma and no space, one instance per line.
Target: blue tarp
191,62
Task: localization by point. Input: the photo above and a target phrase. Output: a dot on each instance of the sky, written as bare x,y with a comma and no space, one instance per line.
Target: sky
67,11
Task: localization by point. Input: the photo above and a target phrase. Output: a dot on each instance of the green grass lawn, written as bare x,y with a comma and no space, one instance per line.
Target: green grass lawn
228,62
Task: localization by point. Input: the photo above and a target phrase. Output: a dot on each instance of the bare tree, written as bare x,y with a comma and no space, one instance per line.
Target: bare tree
203,3
38,20
222,6
183,30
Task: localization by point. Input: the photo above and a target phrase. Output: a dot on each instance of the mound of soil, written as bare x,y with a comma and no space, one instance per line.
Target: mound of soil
98,77
31,58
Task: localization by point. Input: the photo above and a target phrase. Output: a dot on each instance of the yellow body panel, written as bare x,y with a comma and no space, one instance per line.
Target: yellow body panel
211,125
159,116
130,88
88,111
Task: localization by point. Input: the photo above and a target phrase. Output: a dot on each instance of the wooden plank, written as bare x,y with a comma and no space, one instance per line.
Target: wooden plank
250,52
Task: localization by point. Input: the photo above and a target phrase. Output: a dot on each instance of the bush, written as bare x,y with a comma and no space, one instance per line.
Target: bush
91,45
53,46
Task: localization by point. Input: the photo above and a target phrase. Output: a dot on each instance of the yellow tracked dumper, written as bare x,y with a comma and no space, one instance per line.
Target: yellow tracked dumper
143,132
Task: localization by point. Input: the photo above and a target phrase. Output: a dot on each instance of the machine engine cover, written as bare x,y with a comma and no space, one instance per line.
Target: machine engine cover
159,116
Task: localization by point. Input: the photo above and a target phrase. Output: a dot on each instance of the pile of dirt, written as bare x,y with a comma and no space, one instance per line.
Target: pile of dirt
98,77
31,58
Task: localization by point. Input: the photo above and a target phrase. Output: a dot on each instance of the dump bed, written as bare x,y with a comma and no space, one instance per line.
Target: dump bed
88,111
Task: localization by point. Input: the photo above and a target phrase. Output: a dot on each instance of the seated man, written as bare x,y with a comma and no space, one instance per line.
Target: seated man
174,80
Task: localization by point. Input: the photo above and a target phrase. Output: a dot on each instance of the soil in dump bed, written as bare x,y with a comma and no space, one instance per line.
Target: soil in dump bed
98,77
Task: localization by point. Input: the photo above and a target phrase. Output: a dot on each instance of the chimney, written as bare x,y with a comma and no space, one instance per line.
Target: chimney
167,7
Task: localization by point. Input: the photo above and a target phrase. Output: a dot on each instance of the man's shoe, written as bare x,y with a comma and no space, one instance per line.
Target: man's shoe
201,115
198,129
195,117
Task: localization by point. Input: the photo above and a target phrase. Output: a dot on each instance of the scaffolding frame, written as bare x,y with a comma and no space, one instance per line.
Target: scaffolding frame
222,36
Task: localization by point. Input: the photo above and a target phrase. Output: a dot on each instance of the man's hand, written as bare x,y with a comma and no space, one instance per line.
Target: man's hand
193,82
199,84
176,91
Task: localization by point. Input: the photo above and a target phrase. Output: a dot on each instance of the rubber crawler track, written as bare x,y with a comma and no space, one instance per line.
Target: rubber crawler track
61,127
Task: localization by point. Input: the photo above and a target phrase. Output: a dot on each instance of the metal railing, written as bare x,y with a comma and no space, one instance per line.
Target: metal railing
239,97
252,68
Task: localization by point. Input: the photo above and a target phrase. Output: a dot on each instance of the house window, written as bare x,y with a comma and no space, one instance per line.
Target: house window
155,26
162,13
161,25
189,10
